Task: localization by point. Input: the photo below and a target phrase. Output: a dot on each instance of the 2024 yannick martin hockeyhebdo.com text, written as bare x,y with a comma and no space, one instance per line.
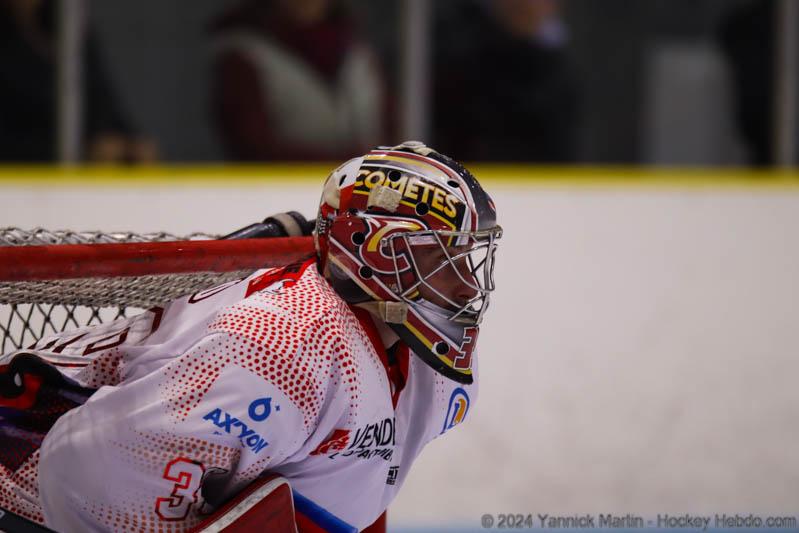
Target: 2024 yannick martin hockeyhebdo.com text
684,522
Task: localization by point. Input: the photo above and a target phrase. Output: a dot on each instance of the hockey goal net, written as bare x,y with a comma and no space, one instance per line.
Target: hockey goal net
52,281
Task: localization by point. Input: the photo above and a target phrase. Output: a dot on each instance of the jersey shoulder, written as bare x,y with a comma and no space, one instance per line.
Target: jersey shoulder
281,305
294,331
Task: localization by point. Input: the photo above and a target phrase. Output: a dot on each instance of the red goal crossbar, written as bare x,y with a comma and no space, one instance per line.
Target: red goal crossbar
46,288
68,261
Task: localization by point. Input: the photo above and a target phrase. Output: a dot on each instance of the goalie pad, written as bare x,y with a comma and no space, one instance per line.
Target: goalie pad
268,505
265,505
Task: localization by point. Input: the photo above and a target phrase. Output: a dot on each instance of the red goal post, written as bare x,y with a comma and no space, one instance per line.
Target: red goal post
51,281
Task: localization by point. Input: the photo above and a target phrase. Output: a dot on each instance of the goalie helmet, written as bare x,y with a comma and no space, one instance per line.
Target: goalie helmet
412,233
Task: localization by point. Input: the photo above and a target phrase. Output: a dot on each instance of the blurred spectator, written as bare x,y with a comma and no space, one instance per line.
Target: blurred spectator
504,89
747,38
28,92
293,81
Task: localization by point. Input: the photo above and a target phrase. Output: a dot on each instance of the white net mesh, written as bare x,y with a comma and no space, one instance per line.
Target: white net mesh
30,310
41,236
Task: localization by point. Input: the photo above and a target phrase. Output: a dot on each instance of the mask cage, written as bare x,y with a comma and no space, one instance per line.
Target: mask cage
467,266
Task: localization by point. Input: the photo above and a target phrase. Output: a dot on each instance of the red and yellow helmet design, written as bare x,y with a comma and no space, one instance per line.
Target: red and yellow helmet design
414,231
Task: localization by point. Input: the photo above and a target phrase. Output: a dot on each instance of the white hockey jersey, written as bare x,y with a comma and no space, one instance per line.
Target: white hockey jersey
165,415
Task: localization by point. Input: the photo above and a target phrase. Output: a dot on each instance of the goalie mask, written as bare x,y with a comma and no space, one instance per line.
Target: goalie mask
412,231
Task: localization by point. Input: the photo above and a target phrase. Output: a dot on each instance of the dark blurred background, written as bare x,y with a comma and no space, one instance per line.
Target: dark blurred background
663,82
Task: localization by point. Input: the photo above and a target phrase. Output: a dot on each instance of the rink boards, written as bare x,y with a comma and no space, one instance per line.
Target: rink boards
640,355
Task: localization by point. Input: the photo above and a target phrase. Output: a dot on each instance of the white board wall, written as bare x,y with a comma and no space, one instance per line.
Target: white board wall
641,354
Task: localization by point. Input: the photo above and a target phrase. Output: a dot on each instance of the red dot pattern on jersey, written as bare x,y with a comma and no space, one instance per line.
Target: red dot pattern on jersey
152,451
150,454
16,488
302,339
139,517
106,369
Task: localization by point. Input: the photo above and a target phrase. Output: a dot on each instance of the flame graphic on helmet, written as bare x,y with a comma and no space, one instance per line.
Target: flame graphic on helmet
374,253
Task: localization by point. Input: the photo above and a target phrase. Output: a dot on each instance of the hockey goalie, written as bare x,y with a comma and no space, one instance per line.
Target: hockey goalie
330,375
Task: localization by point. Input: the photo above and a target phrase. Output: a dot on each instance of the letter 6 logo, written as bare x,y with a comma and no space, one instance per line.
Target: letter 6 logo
187,476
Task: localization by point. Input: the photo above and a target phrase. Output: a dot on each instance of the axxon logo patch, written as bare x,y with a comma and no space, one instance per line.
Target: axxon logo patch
258,411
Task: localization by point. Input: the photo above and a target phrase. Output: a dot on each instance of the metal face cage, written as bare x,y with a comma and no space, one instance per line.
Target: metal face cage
466,267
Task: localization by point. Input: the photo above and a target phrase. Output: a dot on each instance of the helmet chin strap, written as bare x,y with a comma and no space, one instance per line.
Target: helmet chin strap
387,335
388,312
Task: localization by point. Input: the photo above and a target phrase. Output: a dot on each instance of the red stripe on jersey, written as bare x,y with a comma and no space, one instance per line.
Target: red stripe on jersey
397,373
289,274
